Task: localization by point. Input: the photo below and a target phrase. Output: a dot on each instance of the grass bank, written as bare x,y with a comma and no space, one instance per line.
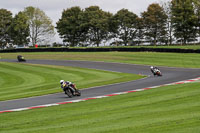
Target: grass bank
186,60
192,46
25,80
165,109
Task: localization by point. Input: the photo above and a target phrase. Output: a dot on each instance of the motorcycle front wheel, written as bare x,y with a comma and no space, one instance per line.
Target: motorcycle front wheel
68,93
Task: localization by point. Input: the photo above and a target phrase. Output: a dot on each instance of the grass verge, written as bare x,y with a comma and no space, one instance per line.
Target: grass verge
26,80
186,60
197,46
165,109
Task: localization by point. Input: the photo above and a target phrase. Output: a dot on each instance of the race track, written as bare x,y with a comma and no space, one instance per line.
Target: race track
169,75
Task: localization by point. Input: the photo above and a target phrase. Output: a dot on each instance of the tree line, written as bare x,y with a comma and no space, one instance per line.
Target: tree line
176,21
29,26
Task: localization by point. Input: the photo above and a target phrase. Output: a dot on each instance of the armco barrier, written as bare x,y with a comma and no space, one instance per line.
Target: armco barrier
125,49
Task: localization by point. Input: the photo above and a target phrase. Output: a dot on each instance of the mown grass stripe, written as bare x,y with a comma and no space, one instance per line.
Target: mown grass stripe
27,80
91,98
167,109
187,60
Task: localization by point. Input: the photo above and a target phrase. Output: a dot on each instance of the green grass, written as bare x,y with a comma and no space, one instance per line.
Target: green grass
172,109
186,60
25,80
175,46
192,46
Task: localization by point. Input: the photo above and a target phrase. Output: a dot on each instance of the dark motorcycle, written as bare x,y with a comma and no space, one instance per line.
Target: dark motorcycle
71,90
21,58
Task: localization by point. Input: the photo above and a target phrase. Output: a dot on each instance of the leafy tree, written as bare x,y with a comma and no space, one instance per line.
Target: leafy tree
5,22
155,23
184,20
71,27
40,25
167,6
140,30
197,13
126,25
20,29
97,22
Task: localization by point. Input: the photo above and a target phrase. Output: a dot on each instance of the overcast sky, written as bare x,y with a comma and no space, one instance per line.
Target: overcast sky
54,8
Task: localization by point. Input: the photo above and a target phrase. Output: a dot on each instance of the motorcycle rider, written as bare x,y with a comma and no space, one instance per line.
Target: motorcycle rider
65,85
154,70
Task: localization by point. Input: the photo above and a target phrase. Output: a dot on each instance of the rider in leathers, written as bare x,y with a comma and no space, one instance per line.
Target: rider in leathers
65,85
154,70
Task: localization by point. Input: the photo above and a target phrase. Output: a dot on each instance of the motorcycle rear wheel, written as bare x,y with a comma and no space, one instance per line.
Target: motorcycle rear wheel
159,74
78,93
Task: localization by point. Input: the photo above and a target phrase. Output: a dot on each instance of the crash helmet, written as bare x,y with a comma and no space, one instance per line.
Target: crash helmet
62,81
151,67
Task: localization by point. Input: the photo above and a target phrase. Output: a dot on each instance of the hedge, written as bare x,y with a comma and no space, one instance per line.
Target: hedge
142,49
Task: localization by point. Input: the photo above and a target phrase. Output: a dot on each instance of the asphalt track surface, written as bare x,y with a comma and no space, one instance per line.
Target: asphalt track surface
170,75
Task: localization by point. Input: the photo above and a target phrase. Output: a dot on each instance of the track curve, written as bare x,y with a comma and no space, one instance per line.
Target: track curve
170,75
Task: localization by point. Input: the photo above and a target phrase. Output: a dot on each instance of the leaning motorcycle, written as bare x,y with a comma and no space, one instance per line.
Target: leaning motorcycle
71,90
21,58
158,72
